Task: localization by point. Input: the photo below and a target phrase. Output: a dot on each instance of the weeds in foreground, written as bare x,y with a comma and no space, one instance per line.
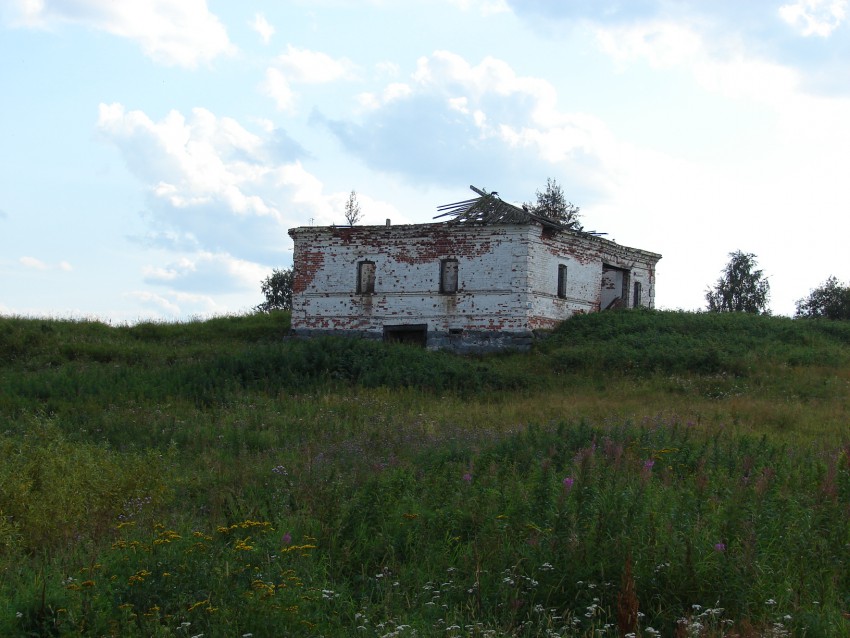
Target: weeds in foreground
185,480
566,530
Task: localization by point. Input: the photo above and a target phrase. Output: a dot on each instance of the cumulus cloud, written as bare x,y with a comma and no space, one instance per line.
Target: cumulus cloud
174,305
457,121
388,69
313,67
182,33
207,271
484,7
302,66
220,196
277,87
772,71
815,17
262,27
727,30
668,45
156,302
33,263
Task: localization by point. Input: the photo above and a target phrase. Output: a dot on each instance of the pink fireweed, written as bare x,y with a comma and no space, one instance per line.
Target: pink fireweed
568,483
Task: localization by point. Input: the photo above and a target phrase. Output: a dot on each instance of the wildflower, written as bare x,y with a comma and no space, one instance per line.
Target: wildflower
720,547
568,483
467,477
647,465
286,539
242,544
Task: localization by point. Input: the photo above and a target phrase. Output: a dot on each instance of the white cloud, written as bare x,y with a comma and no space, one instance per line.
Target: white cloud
37,264
484,7
391,92
302,66
205,159
181,33
727,71
218,196
277,87
662,44
206,271
262,26
158,302
33,263
481,120
758,189
815,17
388,69
313,67
177,305
764,30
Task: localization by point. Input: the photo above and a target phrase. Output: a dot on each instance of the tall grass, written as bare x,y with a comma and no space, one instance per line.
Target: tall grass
213,478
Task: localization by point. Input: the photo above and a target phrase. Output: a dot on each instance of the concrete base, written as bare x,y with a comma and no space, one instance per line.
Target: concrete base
463,342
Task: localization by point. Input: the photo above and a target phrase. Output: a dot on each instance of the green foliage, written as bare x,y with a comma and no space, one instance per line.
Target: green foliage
214,478
642,340
277,289
55,494
740,288
830,300
553,204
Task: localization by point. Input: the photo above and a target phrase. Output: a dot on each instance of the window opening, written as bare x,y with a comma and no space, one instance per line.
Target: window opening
415,334
636,302
448,276
562,281
365,277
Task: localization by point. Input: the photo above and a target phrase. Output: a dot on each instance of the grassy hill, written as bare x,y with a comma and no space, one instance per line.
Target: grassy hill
638,471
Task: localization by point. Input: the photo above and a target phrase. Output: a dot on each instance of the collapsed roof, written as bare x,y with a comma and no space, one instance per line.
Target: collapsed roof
489,208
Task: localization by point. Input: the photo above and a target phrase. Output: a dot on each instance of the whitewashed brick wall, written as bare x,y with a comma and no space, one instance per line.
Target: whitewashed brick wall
507,277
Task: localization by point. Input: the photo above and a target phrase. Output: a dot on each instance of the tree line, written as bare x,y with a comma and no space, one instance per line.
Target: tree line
742,287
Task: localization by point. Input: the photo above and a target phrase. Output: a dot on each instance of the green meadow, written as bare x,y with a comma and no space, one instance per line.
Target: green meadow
637,473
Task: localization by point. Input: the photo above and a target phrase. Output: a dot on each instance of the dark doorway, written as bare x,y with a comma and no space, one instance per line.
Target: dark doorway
415,334
615,287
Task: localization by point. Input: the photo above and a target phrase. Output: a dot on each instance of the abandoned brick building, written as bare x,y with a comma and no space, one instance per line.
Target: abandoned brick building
488,278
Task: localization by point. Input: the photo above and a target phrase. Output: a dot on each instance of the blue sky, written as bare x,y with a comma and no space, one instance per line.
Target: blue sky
155,152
